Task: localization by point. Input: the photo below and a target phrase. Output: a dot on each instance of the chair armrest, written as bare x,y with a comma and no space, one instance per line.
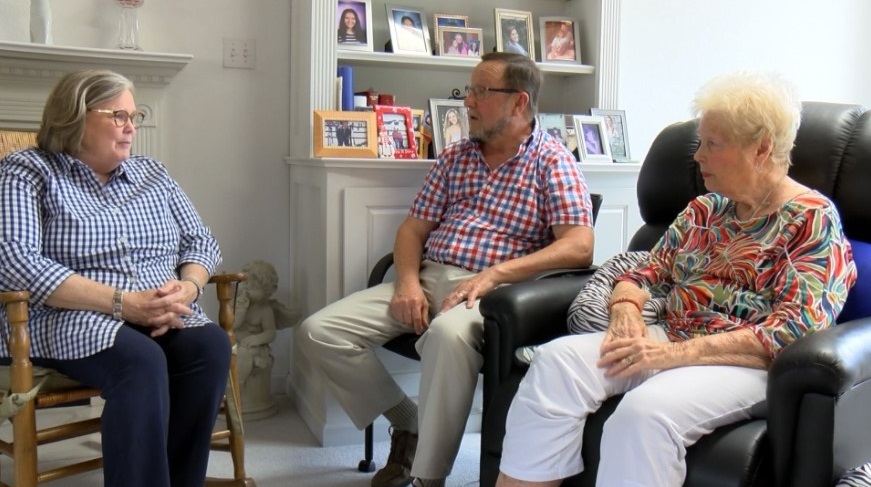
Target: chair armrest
21,369
525,313
376,276
829,371
225,286
564,272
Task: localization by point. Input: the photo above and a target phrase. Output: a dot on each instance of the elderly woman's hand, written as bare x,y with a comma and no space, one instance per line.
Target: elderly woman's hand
626,356
626,322
159,308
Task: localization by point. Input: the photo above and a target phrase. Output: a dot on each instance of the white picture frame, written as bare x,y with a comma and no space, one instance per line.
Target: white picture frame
592,142
560,42
555,125
617,132
440,108
348,37
409,32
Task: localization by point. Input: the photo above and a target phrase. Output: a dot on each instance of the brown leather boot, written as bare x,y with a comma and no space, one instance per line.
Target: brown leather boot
397,471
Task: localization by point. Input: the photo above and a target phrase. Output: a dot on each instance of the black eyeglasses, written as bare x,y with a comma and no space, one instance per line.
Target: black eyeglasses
484,92
122,116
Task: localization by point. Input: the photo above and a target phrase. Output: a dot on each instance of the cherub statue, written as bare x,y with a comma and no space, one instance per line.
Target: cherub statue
258,317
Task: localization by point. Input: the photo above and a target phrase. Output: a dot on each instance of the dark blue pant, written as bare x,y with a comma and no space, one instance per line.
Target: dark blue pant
162,398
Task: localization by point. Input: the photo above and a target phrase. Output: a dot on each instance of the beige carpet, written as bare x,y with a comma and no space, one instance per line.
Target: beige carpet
280,452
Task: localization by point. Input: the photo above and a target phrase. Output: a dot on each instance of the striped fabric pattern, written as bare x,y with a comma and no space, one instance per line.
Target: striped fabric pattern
589,311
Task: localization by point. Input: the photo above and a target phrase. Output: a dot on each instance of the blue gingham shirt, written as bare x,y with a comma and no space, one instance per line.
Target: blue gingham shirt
57,219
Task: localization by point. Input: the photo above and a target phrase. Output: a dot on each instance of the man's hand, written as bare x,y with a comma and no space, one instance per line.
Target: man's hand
472,289
409,306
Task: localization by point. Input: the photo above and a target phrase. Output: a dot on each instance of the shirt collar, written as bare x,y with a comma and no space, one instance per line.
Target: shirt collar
66,162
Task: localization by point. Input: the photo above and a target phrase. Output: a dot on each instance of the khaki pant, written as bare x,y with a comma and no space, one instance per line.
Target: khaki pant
341,340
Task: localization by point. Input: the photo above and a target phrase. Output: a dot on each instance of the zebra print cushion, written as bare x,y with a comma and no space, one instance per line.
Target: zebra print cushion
589,311
860,477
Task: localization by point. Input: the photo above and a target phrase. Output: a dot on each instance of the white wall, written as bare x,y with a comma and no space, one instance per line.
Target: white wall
226,129
669,48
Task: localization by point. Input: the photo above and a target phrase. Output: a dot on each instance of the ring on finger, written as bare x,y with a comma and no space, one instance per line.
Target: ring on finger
461,294
629,359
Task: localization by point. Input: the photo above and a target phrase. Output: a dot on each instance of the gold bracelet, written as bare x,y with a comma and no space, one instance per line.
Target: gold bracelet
118,304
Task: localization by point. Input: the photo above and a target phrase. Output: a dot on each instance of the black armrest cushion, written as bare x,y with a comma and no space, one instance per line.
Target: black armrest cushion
824,374
526,313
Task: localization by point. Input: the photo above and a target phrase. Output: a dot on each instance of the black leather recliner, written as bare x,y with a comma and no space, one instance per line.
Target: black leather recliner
816,423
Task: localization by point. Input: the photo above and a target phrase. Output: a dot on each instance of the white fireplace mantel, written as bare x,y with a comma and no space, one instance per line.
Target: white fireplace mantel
28,72
23,60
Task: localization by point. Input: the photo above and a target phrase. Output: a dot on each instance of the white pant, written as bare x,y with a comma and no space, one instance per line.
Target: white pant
341,339
644,441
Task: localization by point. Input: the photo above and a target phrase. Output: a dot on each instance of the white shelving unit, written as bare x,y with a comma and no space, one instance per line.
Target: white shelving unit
344,212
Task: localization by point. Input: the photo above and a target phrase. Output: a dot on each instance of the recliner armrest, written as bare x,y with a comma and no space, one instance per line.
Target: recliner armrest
526,313
830,369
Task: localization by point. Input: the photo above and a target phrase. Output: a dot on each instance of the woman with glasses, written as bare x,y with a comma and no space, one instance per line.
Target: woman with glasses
115,256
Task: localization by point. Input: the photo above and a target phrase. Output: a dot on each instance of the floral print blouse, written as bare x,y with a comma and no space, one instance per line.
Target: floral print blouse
781,275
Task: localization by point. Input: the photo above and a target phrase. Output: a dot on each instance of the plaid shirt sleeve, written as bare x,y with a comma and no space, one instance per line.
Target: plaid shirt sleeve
568,200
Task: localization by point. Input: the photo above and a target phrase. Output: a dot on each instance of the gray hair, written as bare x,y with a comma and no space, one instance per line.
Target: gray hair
522,74
752,106
63,118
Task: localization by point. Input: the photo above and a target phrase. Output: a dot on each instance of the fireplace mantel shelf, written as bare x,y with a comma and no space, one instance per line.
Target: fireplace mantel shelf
24,60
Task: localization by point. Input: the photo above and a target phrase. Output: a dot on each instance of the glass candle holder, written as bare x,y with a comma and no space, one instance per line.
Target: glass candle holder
128,26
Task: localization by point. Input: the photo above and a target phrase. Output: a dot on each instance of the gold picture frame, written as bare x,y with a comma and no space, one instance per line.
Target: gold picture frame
448,20
345,134
519,21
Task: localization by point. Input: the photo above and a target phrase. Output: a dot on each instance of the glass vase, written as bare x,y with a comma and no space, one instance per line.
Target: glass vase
128,26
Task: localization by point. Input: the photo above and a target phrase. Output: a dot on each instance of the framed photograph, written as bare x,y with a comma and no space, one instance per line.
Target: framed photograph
555,125
422,145
560,42
592,141
460,41
416,120
395,132
514,32
446,20
450,122
571,135
353,21
344,134
616,131
409,33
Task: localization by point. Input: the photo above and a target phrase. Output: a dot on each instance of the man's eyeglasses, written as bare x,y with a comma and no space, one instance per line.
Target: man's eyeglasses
484,92
122,116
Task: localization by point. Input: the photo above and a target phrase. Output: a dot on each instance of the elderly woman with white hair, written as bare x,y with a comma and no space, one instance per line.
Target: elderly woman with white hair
744,270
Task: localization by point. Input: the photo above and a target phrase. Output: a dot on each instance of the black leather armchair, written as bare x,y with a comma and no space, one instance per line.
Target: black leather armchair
404,344
816,423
